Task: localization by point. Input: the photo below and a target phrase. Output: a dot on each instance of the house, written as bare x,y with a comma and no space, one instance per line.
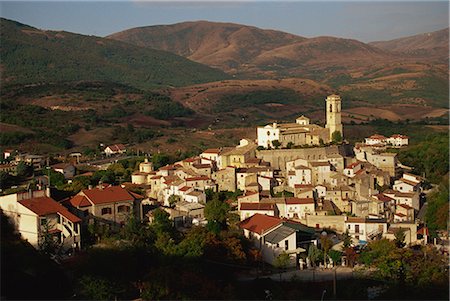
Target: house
195,196
111,204
365,229
115,149
35,213
247,210
408,183
226,179
411,199
238,155
409,228
376,140
67,169
274,236
298,208
9,168
398,140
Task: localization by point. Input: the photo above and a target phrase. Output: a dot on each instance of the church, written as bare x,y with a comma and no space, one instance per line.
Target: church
302,132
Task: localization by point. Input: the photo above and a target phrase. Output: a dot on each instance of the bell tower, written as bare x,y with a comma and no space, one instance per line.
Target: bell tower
333,107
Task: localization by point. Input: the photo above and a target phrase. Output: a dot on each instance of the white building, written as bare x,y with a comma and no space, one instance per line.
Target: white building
35,214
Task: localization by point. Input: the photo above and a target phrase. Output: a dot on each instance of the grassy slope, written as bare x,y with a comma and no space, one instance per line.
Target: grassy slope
30,55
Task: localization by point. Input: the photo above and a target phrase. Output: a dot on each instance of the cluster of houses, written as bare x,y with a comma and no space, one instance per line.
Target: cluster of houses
288,194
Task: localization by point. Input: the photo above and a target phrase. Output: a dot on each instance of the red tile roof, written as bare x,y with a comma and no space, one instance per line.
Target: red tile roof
79,201
201,178
110,194
260,223
211,151
248,193
384,198
202,165
185,188
377,137
405,206
300,201
116,147
167,167
353,165
45,205
400,214
399,136
257,206
303,186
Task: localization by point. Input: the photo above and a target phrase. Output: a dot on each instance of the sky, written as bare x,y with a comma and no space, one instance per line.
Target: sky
362,20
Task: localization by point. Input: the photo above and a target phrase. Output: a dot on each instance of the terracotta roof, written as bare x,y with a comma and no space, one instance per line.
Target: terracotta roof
202,165
45,205
356,220
303,186
409,182
316,164
405,206
79,201
248,193
253,160
299,201
116,147
211,151
423,231
167,167
185,188
61,165
156,177
400,214
353,164
201,178
291,173
110,194
193,159
399,136
384,198
257,206
377,137
259,223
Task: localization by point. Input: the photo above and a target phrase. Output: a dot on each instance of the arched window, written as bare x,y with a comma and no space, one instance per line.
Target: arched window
106,210
331,108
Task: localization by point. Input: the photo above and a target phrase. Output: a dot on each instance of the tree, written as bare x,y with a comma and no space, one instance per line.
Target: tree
216,213
326,244
23,169
399,238
335,256
173,199
161,222
97,288
282,261
276,143
313,254
290,145
48,243
160,160
347,239
336,137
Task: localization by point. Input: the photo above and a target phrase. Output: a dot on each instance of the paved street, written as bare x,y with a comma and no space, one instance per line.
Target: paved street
308,275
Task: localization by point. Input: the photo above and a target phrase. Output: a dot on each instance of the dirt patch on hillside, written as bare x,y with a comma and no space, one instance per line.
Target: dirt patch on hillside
393,112
8,128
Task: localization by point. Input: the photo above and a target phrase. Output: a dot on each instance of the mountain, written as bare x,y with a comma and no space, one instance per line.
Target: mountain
244,49
30,55
429,44
223,45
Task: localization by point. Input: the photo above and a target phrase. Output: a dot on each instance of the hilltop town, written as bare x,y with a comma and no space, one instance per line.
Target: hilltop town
294,180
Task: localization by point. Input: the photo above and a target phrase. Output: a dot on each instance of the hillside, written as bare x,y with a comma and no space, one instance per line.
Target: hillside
358,70
31,56
431,44
224,45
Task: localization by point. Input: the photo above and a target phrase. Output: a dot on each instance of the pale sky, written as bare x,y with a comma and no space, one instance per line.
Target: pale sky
362,20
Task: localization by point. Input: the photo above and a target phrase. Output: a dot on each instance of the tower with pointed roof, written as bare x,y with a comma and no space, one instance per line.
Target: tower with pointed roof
333,108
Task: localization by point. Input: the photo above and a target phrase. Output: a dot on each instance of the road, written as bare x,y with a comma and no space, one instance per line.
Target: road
307,275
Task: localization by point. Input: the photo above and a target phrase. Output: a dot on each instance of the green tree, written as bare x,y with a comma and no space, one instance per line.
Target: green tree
335,256
23,169
160,160
276,143
48,243
399,238
281,262
326,244
336,137
347,239
313,254
161,222
216,213
173,199
96,288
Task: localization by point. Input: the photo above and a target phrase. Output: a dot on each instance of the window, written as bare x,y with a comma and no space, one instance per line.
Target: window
43,221
106,210
123,208
286,245
331,108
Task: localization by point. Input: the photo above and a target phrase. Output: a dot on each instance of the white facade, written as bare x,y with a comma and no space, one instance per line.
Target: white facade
268,134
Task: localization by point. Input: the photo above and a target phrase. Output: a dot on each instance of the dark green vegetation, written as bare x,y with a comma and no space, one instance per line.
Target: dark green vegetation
420,273
437,209
27,274
33,56
90,105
